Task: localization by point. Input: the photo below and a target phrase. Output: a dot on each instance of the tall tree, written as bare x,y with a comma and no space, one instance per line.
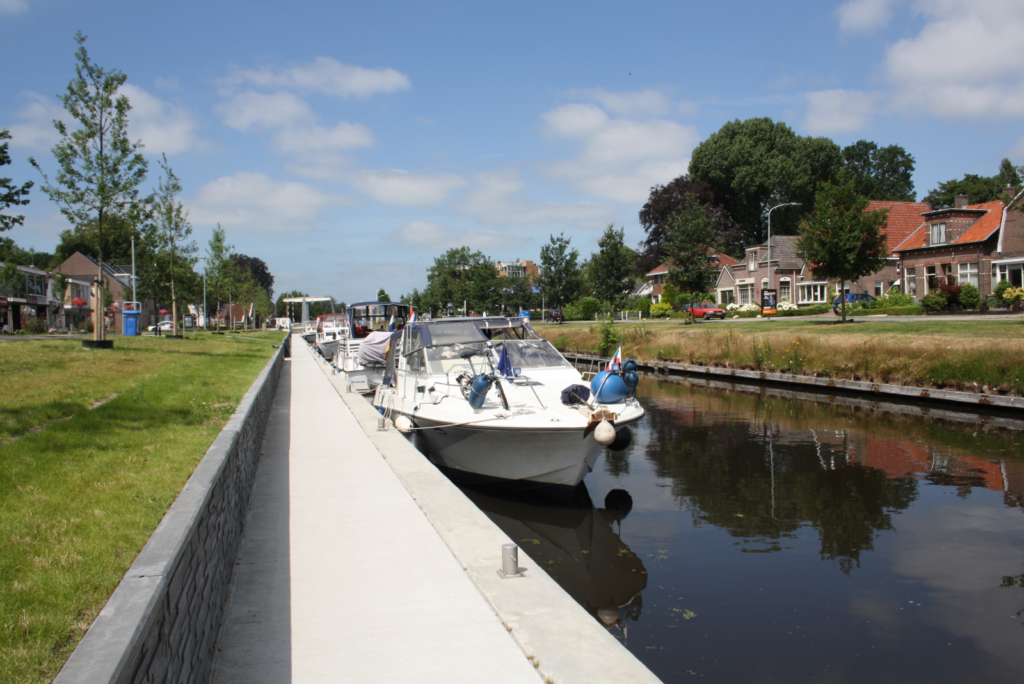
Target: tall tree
690,241
459,276
665,202
612,266
218,269
175,258
100,170
10,195
841,238
383,296
755,164
978,189
880,173
259,270
561,279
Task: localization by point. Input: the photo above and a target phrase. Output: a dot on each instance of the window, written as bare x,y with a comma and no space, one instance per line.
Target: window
968,273
813,293
910,276
746,294
764,283
752,260
931,278
35,284
938,233
879,288
726,297
785,291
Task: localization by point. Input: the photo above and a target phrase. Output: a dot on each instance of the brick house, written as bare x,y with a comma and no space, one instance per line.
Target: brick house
32,299
518,269
83,268
657,277
792,278
980,244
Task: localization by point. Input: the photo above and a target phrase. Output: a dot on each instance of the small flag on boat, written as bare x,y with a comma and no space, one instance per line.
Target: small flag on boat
505,363
616,361
391,324
412,317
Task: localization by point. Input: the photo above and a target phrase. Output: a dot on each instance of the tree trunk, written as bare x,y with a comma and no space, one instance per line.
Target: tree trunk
842,295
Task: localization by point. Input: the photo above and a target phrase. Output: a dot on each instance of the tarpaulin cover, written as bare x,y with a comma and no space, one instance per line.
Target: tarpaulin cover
374,348
575,394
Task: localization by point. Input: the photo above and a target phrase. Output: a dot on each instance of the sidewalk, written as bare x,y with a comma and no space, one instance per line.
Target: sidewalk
340,576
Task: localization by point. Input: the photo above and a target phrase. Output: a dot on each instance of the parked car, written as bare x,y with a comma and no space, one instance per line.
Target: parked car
851,298
705,310
164,326
555,316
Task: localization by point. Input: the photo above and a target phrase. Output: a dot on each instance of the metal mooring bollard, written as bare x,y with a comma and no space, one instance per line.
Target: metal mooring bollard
510,562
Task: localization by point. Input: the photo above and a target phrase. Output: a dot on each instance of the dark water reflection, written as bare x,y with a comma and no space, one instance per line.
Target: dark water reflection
774,540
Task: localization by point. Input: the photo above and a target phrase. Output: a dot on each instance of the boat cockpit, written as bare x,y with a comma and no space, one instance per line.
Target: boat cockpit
368,317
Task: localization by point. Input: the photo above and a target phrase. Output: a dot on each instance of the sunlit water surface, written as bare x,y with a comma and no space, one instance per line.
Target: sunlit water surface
772,540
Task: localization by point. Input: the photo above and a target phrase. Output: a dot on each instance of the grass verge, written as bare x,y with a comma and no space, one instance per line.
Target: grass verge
978,355
94,447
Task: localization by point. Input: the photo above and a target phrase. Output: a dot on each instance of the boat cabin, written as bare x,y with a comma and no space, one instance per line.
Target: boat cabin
367,317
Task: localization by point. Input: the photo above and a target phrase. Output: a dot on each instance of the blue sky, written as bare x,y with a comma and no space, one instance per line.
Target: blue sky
348,144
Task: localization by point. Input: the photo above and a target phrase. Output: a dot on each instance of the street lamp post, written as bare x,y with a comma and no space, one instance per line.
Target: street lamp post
777,206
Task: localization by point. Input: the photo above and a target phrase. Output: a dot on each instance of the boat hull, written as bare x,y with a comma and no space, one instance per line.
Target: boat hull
520,458
328,349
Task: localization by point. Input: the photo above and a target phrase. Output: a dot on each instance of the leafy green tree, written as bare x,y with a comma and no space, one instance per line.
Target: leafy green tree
100,170
175,258
461,275
11,253
978,189
611,268
383,296
881,173
219,271
841,237
561,279
10,195
691,239
666,202
259,270
755,164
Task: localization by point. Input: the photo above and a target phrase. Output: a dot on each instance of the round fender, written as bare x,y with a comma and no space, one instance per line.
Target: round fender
404,425
604,433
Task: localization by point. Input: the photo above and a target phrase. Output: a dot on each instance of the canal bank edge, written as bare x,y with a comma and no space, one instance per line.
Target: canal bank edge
566,644
162,621
990,401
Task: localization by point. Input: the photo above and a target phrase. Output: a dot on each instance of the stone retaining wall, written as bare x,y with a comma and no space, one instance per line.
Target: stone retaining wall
161,623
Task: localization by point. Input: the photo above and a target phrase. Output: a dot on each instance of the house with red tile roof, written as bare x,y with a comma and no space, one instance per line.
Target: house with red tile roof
979,244
903,219
656,278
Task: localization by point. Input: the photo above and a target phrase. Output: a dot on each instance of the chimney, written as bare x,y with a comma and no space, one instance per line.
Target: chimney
961,201
1010,191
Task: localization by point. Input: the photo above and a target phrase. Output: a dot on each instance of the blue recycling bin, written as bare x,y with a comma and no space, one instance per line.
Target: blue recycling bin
131,323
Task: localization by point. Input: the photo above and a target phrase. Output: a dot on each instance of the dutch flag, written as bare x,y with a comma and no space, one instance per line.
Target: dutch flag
412,318
391,324
616,361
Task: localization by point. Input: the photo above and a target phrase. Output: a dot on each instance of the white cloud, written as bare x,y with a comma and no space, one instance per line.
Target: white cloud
620,159
496,199
864,16
13,6
395,186
838,111
250,109
162,127
966,62
324,75
631,103
439,238
255,203
308,139
36,131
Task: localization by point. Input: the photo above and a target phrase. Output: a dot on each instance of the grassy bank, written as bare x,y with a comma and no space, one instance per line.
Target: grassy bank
975,355
94,447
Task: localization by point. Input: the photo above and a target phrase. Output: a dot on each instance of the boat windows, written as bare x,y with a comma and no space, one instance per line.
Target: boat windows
532,354
448,358
416,362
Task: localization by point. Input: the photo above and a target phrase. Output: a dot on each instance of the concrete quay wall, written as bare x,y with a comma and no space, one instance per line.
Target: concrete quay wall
162,621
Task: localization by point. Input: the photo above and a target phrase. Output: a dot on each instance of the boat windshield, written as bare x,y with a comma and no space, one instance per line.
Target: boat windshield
447,358
532,354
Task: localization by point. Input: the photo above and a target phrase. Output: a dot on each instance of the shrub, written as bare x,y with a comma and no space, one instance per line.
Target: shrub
933,302
893,298
660,310
994,302
643,305
788,306
970,298
732,306
35,326
950,289
1013,294
751,306
582,309
608,338
1001,289
905,310
669,294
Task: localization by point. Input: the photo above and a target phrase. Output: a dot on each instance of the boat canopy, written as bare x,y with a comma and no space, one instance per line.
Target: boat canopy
448,331
366,317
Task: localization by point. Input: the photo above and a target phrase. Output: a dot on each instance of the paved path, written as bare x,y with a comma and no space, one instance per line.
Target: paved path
340,576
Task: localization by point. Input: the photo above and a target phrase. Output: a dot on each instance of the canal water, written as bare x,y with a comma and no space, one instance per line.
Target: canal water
752,538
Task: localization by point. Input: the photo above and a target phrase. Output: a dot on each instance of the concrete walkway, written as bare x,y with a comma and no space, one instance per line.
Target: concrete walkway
340,575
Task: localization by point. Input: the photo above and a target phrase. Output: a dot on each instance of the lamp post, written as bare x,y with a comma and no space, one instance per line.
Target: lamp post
206,316
777,206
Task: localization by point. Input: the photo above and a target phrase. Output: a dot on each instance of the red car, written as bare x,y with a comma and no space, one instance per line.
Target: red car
705,310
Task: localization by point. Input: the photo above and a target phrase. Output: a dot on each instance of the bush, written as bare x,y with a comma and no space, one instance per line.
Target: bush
660,310
582,309
905,311
933,302
970,298
893,298
994,302
608,338
751,306
35,326
642,304
1001,289
669,294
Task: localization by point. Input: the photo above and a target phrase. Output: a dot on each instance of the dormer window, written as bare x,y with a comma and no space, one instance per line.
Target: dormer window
752,260
938,234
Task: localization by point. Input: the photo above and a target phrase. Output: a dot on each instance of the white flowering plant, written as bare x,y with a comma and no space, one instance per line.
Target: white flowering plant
751,306
732,306
788,306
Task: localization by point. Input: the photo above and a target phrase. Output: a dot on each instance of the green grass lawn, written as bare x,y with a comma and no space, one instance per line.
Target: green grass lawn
94,447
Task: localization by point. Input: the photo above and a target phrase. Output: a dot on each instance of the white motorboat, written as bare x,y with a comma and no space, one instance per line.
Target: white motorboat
361,347
330,328
488,400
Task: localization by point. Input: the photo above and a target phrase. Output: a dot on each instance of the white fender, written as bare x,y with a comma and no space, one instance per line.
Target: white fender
404,425
604,433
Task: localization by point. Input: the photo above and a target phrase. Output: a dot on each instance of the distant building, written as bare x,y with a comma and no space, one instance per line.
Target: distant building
82,269
31,299
518,269
656,278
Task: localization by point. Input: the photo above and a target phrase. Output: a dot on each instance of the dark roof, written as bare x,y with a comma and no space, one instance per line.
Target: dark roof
110,269
783,252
